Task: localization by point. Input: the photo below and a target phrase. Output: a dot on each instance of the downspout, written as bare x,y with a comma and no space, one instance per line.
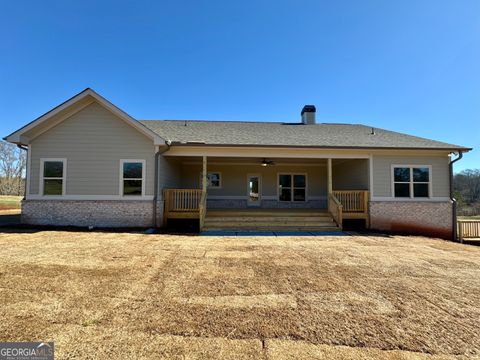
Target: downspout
155,190
454,201
26,170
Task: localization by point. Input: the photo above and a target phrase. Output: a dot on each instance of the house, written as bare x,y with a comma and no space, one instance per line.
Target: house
91,164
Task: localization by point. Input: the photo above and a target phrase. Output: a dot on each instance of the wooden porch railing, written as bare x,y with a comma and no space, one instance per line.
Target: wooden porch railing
353,201
185,204
183,200
336,209
348,204
468,229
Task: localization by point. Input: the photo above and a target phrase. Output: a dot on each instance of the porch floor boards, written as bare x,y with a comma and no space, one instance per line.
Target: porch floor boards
269,220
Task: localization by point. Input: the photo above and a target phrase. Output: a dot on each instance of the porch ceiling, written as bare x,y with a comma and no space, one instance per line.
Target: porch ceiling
258,160
248,160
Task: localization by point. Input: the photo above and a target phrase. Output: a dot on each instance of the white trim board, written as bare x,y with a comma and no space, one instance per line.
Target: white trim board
90,197
29,169
121,178
294,152
370,176
41,177
432,199
260,195
263,152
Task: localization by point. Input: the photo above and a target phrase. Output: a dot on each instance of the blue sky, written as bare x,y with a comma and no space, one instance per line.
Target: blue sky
409,66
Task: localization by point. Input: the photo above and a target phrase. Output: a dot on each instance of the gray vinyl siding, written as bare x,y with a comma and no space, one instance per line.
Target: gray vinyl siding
234,178
382,173
350,174
93,141
72,109
169,173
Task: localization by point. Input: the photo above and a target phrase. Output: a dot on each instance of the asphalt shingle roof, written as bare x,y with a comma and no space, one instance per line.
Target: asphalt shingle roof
288,134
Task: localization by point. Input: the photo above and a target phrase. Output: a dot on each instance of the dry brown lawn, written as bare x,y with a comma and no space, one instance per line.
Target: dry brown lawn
111,295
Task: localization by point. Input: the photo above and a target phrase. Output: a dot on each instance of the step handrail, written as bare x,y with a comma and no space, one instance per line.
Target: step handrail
335,208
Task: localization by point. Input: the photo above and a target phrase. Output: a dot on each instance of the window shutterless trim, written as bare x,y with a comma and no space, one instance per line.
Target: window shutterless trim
121,178
259,176
292,187
63,178
411,182
220,181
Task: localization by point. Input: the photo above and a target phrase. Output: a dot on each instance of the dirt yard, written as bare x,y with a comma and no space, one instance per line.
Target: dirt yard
109,295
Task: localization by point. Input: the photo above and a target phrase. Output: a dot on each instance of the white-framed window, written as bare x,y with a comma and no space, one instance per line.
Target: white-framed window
411,181
214,180
53,174
292,187
132,177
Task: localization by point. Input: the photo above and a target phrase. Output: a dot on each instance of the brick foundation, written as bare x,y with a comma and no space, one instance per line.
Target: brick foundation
98,213
416,217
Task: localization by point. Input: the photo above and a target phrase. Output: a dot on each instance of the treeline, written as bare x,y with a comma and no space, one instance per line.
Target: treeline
466,186
12,169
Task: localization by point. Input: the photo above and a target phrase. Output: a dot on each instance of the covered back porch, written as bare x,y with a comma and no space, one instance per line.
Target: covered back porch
337,186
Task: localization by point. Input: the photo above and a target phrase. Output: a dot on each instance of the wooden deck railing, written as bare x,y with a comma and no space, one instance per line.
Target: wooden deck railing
336,209
182,200
468,229
348,204
185,204
353,201
192,203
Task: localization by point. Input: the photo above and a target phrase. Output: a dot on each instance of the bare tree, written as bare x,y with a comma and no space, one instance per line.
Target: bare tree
12,169
467,192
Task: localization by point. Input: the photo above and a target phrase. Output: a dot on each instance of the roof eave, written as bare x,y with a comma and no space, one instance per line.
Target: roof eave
449,149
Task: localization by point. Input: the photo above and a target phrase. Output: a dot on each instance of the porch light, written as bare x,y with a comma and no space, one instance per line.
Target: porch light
266,162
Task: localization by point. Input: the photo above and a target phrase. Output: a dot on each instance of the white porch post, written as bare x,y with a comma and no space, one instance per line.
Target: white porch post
329,176
204,174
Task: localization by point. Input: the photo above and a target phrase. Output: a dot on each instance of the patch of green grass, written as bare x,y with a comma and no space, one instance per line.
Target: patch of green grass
90,322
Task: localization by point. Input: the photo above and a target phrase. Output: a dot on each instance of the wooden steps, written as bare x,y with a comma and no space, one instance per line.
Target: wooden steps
269,220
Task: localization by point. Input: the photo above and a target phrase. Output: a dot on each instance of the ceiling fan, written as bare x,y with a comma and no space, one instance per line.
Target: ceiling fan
266,162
